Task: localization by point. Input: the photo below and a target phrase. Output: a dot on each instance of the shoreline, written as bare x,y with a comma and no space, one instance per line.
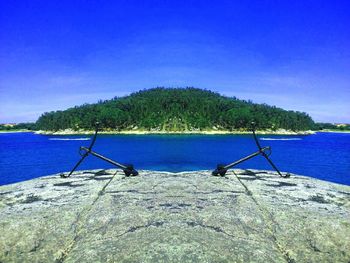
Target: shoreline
14,131
334,131
144,132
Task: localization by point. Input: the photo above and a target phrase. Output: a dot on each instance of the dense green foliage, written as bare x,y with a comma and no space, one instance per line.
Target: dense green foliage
20,126
180,109
330,126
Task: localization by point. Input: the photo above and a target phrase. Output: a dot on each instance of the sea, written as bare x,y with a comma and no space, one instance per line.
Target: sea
24,156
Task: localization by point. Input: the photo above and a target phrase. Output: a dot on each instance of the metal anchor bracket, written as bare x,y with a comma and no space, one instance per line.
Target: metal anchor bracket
128,169
221,169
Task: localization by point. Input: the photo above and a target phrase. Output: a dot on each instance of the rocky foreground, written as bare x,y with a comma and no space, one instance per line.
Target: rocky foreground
102,216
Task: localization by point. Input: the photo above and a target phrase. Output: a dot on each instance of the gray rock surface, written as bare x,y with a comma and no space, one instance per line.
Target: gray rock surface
247,216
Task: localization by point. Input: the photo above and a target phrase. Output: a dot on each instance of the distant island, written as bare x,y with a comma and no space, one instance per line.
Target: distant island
168,110
175,110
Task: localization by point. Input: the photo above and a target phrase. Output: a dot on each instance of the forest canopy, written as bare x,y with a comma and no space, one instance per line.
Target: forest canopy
175,109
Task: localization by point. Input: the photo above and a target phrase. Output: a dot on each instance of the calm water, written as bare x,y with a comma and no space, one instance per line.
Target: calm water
25,155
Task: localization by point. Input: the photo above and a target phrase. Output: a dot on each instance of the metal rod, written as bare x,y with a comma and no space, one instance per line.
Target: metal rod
274,166
222,169
256,139
95,136
75,167
261,151
88,151
265,155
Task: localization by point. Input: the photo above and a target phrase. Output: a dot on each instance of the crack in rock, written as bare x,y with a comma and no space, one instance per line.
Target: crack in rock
78,224
270,223
218,230
136,228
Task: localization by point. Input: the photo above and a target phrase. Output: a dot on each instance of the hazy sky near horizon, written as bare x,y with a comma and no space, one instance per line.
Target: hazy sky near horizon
57,54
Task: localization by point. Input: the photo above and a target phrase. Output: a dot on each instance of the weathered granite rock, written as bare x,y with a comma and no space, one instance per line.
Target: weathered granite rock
247,216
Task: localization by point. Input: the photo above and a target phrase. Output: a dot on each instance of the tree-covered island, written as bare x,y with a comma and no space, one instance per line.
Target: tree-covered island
175,110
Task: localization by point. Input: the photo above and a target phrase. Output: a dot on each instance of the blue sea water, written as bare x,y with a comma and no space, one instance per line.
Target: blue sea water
25,156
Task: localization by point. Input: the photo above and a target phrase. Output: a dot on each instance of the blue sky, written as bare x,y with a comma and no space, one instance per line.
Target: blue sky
58,54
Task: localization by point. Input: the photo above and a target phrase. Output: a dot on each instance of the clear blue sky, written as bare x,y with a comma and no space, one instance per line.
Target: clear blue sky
57,54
